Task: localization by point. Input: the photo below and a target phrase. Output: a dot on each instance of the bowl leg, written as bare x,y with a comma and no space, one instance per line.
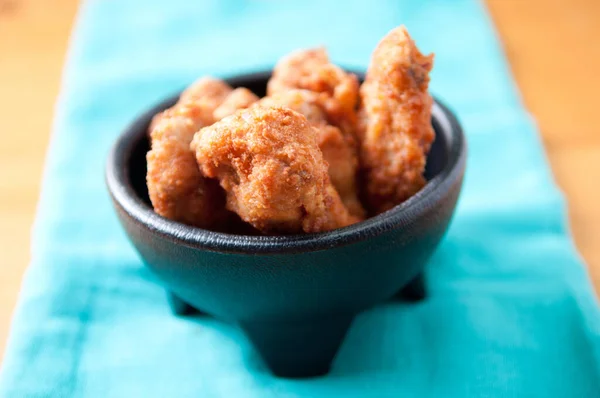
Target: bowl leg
298,349
180,307
414,291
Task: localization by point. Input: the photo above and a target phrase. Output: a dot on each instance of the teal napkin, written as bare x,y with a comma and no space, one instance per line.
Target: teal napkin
511,312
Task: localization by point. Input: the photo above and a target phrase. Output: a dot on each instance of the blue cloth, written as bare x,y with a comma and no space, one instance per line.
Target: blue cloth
511,311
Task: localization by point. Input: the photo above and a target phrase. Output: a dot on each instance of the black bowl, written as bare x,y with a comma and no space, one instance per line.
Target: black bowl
294,296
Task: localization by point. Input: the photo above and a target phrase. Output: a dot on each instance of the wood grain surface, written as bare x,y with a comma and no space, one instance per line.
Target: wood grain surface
553,50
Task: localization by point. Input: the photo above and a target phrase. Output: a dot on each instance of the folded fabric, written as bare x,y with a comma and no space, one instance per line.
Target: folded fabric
511,311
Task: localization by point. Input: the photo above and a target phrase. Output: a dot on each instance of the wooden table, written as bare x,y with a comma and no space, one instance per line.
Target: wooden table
552,47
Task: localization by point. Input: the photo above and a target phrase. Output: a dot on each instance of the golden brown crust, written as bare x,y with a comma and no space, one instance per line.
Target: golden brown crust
239,98
177,189
342,163
302,101
207,92
311,70
269,163
395,131
338,150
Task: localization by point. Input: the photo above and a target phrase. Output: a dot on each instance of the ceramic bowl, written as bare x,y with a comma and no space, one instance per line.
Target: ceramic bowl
294,296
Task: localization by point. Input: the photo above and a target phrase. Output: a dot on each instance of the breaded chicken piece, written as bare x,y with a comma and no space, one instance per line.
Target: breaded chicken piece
206,94
395,131
338,150
239,98
343,164
303,101
177,189
206,91
311,70
269,163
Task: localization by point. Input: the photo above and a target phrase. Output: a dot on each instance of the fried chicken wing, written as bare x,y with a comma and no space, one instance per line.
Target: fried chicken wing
177,189
395,131
238,99
338,150
311,70
269,163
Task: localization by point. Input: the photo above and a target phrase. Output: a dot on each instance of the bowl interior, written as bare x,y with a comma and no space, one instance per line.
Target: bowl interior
436,161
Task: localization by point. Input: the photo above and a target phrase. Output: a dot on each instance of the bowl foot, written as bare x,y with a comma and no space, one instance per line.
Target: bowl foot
180,307
298,349
414,291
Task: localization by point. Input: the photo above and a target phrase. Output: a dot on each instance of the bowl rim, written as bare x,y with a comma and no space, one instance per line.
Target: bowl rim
125,198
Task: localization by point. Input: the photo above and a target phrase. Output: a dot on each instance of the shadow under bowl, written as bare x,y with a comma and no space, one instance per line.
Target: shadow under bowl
294,296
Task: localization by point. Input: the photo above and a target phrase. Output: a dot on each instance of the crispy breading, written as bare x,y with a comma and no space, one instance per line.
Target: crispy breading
395,131
268,161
